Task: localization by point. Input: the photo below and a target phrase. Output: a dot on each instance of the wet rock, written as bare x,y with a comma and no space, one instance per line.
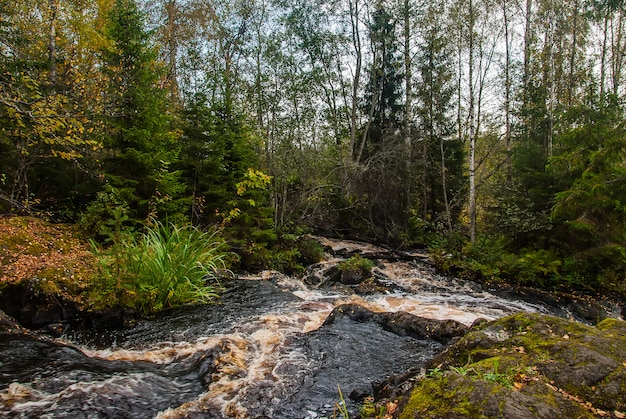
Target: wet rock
353,277
526,366
57,329
36,310
400,323
583,308
8,323
350,352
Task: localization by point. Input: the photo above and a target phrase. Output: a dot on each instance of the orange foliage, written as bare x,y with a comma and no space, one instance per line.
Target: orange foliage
51,255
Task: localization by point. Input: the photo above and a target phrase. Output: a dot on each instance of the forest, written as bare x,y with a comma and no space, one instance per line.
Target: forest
491,132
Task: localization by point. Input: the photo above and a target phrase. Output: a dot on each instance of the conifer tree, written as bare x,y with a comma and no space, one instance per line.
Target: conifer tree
141,144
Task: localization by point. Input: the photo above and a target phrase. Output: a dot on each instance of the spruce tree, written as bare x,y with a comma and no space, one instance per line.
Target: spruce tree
141,145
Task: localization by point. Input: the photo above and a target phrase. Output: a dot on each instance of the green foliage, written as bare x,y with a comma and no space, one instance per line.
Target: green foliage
479,261
495,376
141,144
358,264
341,407
371,410
218,159
284,252
434,373
491,260
441,155
41,135
167,266
488,370
512,213
108,211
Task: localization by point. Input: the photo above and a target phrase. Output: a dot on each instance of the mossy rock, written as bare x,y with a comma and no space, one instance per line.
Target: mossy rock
527,366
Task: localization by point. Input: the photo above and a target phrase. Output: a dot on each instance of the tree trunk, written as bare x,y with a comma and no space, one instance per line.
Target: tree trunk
172,46
408,99
617,51
527,51
507,92
572,58
52,43
605,33
472,134
356,42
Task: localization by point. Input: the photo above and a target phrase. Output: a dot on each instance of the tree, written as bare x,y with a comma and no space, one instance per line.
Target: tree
442,154
383,91
589,210
43,130
381,149
141,145
217,151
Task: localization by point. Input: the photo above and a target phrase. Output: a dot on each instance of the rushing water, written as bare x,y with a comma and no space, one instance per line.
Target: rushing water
264,350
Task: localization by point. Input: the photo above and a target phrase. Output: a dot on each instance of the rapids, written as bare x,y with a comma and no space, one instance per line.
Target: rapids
265,350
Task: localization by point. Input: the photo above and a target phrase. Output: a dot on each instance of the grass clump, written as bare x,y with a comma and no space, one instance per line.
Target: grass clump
167,266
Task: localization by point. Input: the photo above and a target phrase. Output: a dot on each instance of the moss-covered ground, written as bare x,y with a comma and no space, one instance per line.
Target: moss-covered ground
527,366
49,258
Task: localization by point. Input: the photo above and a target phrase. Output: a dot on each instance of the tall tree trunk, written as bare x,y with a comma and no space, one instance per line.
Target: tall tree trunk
549,77
507,92
617,51
605,35
52,42
444,183
258,77
472,133
572,58
356,78
171,11
408,75
527,51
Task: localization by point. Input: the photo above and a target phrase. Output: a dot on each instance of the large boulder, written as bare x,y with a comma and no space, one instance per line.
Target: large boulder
526,366
400,323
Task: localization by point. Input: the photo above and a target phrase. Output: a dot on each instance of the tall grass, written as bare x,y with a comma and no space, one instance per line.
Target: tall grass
167,266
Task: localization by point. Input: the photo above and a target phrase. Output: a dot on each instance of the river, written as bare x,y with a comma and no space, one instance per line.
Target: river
267,349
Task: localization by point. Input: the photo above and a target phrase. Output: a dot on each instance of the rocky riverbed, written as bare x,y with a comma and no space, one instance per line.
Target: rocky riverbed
399,340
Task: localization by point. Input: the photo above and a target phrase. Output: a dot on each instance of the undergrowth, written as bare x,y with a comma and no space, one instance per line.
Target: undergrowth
165,267
597,270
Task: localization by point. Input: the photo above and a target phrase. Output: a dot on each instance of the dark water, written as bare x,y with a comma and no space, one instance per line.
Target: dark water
262,351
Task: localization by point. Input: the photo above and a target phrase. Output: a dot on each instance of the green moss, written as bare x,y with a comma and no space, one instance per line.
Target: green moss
614,327
540,356
442,397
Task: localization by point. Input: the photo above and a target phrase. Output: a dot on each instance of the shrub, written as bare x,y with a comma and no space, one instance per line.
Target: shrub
167,266
357,264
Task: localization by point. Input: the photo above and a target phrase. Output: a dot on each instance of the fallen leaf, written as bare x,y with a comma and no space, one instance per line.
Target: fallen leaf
391,407
619,415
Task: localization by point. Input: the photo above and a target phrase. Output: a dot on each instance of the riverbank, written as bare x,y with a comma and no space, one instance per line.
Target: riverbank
526,366
46,273
515,367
